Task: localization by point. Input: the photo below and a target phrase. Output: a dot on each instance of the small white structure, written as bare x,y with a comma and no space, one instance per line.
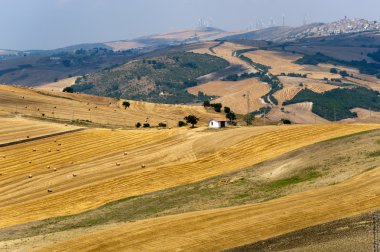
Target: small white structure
217,123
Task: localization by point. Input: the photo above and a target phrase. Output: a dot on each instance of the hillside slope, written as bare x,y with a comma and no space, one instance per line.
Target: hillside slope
159,79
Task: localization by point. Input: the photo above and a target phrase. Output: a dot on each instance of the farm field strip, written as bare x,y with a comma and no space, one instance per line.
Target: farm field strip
13,129
252,150
57,105
224,228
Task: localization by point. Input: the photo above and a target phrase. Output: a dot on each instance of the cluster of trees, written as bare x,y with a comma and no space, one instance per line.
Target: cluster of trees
230,115
343,73
294,75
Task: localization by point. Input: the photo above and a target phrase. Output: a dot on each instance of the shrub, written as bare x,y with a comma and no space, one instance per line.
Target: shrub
286,121
181,124
161,124
206,104
333,70
126,104
68,90
146,125
138,125
227,110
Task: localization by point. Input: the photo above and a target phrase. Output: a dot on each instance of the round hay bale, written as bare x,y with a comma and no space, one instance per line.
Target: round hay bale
30,176
50,190
125,153
117,164
143,166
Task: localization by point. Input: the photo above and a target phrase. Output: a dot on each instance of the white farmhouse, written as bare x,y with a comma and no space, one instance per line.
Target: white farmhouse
217,123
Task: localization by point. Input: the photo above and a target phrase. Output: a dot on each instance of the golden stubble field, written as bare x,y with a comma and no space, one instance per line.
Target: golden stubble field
234,94
56,105
87,169
219,229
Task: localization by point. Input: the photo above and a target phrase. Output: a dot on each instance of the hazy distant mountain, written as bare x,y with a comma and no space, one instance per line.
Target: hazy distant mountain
185,36
284,33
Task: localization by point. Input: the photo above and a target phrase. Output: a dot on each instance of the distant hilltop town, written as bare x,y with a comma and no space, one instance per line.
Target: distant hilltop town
342,26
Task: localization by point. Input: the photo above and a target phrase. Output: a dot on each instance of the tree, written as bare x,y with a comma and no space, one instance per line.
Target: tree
206,104
217,107
231,116
146,125
227,110
192,119
126,104
68,90
248,119
138,125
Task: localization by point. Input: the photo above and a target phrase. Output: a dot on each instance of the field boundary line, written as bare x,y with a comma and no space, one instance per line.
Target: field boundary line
40,137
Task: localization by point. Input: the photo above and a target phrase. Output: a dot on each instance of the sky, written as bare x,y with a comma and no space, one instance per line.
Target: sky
49,24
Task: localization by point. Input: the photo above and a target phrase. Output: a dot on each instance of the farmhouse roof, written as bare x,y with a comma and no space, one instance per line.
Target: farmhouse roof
219,119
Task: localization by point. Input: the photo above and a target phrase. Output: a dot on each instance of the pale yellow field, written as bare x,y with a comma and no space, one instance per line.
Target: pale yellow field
100,110
283,63
297,113
292,88
171,158
234,94
226,51
59,85
16,128
370,84
224,228
124,45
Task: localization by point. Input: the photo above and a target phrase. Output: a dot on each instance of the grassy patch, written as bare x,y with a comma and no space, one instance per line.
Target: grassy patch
281,183
374,154
378,141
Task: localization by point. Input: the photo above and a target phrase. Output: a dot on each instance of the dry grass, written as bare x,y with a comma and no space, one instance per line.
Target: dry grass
172,158
100,110
283,63
13,129
297,113
225,228
59,85
234,94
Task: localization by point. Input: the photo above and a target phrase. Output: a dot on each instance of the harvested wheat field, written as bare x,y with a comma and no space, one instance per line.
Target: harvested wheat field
98,110
293,85
17,128
59,85
297,113
364,116
226,51
281,62
234,94
369,84
225,228
87,169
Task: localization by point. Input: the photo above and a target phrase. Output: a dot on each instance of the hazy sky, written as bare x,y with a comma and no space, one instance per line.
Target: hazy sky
47,24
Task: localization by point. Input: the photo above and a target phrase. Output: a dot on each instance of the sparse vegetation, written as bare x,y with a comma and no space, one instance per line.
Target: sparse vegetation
336,104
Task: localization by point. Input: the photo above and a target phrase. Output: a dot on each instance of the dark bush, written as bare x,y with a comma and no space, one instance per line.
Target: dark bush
146,125
181,124
138,125
68,90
